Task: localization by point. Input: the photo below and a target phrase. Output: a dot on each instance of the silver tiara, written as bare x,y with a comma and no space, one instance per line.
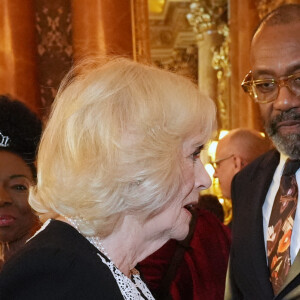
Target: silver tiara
4,140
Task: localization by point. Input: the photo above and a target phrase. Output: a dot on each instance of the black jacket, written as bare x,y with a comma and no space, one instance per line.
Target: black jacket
59,263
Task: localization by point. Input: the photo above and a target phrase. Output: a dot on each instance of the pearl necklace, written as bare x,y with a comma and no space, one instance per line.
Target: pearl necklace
94,240
130,289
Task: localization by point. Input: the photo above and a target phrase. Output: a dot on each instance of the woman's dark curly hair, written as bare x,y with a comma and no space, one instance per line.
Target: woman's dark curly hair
20,130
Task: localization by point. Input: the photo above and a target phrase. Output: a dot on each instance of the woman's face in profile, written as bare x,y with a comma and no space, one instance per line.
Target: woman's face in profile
174,219
16,217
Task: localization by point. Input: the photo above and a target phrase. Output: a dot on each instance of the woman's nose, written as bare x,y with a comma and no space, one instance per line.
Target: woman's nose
202,179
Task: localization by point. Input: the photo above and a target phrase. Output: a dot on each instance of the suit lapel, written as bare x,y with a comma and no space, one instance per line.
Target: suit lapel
259,183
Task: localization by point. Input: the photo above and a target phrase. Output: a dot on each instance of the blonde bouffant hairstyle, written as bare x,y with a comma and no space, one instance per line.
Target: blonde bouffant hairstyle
112,143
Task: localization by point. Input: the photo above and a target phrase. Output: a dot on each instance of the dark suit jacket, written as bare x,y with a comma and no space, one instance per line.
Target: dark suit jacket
248,273
58,263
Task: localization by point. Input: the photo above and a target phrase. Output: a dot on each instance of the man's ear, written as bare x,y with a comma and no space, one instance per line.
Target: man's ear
239,163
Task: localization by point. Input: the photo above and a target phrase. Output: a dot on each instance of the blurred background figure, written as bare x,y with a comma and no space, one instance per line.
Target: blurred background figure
234,151
211,203
118,166
20,131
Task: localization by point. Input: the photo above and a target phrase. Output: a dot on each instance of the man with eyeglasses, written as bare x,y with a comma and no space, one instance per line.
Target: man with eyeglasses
234,151
264,260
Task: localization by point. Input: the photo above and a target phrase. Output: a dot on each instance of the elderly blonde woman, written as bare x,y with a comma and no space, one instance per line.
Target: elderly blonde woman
117,166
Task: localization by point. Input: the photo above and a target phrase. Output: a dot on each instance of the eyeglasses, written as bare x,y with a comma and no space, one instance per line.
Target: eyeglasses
216,163
267,90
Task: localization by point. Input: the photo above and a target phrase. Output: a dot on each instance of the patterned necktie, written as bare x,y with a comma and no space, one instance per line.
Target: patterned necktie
281,225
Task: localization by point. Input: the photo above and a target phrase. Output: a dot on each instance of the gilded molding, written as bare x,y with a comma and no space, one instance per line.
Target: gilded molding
205,15
183,61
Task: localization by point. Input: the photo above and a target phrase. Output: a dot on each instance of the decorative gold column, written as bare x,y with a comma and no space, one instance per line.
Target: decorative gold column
243,21
206,18
18,73
102,27
140,30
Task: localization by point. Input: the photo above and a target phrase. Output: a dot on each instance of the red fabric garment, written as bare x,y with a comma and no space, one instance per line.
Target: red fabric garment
201,274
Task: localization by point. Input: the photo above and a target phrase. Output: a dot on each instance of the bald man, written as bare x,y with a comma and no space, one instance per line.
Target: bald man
234,151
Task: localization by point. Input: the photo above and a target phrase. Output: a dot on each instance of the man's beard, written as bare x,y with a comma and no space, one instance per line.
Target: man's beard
288,144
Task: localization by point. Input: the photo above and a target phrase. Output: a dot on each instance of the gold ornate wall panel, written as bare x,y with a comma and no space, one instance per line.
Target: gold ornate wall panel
54,46
172,39
192,37
18,72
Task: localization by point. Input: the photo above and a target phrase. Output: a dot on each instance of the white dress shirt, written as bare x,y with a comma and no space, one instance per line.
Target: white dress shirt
268,204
